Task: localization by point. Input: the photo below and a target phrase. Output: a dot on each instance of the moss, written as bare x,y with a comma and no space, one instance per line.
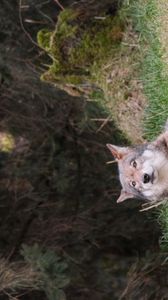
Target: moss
103,54
67,15
77,49
43,39
96,44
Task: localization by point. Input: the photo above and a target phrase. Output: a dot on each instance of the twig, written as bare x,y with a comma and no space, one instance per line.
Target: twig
34,21
103,124
26,225
149,206
22,25
111,162
59,4
46,16
101,119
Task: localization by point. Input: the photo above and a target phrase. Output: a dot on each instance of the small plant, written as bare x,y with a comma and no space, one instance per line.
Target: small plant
51,268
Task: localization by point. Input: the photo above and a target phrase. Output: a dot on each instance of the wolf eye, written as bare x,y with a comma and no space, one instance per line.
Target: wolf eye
133,183
134,163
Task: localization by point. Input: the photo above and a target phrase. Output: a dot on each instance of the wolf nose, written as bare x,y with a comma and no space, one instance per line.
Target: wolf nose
146,178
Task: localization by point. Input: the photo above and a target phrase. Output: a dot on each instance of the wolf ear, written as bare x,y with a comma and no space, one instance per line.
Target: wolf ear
124,196
162,140
166,125
118,152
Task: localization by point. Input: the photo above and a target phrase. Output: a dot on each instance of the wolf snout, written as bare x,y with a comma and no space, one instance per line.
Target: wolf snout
148,178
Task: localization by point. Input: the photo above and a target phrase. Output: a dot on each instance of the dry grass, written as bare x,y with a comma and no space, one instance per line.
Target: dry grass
124,96
162,19
146,279
17,276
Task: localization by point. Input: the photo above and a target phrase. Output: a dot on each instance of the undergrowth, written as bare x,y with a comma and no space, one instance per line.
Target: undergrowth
42,270
51,270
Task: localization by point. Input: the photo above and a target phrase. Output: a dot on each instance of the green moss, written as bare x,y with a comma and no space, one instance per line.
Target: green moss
66,16
63,79
43,39
52,42
77,50
73,79
96,44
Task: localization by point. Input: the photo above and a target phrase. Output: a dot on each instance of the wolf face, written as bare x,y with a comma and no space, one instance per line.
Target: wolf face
143,170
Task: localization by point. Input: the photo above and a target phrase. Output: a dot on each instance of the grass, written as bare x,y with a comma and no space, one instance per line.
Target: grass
145,17
163,220
148,18
16,276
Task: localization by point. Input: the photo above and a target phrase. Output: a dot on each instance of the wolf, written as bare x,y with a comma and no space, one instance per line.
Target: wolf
143,169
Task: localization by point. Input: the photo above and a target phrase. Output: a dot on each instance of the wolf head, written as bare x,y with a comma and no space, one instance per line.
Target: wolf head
143,170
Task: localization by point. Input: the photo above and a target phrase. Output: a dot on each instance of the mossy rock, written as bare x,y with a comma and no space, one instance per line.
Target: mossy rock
78,49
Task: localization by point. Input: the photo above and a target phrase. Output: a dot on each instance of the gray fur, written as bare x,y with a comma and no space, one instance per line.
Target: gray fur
143,169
